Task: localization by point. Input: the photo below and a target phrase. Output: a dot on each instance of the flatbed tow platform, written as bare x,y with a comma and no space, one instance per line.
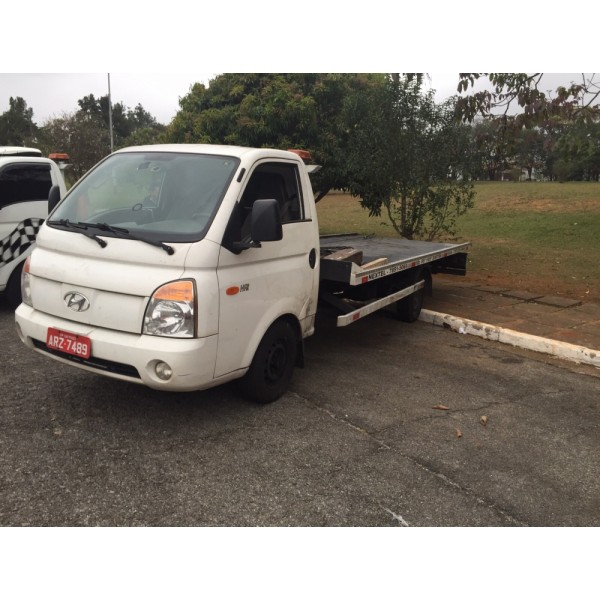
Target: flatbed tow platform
362,274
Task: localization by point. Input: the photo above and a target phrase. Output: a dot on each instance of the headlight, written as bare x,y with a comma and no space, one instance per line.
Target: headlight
172,310
26,283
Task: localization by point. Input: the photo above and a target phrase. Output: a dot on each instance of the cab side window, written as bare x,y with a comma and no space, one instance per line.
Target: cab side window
277,181
24,183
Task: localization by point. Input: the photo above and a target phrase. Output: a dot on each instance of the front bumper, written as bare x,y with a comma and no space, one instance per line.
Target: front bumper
127,356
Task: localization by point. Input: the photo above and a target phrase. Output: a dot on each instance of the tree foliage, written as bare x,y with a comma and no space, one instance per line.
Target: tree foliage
578,101
297,110
85,134
378,137
578,153
492,144
16,124
125,122
536,129
405,157
529,150
85,140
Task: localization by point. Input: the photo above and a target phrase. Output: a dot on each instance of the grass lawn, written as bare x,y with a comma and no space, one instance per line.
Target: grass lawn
540,237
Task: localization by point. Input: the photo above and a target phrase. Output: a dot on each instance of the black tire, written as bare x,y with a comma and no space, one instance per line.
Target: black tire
13,287
408,309
273,364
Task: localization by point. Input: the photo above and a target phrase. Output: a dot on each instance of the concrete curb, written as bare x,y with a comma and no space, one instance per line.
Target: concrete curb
564,350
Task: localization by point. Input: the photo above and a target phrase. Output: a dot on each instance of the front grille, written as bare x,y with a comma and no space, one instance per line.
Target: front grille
96,363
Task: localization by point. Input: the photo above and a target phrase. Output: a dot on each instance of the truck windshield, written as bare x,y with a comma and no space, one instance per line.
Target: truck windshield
157,196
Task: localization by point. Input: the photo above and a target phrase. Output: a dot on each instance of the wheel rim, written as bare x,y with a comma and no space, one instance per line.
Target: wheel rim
276,362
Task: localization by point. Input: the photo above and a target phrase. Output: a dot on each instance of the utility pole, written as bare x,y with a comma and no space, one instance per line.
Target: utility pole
112,146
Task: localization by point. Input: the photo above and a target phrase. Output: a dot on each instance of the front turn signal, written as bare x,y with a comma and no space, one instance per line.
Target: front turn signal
171,311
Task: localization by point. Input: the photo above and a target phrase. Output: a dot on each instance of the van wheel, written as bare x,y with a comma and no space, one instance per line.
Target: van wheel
273,364
13,287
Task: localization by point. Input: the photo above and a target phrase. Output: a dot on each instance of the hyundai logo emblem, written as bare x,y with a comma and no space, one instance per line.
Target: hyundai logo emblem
76,301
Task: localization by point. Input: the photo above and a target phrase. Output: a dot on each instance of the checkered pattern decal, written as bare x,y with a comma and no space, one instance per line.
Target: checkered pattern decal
16,242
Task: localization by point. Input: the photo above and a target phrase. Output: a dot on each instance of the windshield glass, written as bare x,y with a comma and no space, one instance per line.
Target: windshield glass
163,196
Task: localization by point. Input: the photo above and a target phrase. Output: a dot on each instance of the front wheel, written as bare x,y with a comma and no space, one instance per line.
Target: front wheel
273,364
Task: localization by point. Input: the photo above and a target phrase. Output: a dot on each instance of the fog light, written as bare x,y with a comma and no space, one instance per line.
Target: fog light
163,371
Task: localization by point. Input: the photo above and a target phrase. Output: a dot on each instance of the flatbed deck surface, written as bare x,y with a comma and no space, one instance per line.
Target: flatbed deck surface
394,249
400,254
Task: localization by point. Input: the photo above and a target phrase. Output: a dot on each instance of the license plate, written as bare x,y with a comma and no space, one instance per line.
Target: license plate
77,345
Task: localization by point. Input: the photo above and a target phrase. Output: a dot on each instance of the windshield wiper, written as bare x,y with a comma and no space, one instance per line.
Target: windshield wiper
82,227
121,231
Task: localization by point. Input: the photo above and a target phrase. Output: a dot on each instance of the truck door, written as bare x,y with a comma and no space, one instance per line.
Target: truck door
258,285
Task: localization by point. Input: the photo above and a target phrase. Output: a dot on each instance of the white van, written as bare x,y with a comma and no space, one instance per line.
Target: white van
25,181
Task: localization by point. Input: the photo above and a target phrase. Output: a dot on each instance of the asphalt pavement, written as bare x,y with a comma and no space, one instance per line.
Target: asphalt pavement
566,328
390,424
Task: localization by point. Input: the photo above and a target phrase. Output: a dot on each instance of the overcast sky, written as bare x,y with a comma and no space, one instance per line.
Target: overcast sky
52,94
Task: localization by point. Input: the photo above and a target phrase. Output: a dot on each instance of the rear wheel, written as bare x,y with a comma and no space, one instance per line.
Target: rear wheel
408,309
271,370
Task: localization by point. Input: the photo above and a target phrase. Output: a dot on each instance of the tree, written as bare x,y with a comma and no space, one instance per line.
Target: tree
84,135
376,136
403,159
578,152
578,101
146,135
529,150
85,140
97,109
247,109
16,124
297,110
141,118
125,122
88,105
492,145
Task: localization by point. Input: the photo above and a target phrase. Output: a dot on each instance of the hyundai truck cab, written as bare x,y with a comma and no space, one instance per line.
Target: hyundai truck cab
180,267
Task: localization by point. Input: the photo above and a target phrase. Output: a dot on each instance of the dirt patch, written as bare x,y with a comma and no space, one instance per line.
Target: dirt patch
547,205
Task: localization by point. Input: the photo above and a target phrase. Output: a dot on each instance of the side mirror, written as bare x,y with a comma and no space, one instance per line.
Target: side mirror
53,198
266,221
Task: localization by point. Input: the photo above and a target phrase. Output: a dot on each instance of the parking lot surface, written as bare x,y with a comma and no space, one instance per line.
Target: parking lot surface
389,424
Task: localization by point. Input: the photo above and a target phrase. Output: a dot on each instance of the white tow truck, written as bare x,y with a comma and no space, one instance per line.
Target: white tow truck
182,267
25,181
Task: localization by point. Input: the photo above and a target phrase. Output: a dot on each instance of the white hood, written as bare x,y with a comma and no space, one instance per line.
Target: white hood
117,280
